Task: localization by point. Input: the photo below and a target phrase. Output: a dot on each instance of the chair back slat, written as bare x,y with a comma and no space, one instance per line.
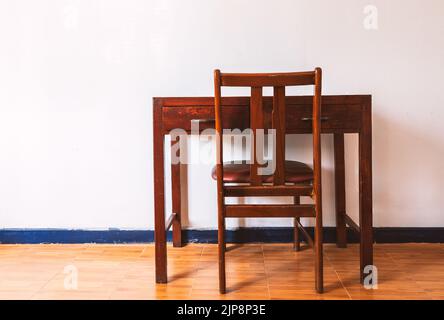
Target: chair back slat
278,124
256,122
267,79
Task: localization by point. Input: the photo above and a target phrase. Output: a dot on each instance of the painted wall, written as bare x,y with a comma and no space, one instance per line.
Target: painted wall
77,79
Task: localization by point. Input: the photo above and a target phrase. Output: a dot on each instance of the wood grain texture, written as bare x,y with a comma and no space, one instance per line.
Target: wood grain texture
264,190
317,182
339,159
365,190
257,271
220,189
159,194
296,222
340,113
267,79
270,211
256,123
279,125
176,197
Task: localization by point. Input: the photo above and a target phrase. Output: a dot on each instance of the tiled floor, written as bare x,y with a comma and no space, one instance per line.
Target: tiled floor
254,271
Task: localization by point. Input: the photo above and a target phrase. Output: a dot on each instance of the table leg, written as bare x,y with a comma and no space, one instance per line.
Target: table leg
365,191
159,196
341,230
176,197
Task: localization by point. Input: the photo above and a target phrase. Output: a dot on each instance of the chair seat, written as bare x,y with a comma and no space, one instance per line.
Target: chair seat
295,172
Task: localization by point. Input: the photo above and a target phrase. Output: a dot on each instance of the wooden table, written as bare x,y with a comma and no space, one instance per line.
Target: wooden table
341,114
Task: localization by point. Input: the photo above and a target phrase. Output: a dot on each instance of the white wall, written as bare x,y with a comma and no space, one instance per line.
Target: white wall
77,78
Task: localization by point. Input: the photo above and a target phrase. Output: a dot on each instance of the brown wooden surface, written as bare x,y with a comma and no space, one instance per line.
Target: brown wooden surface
306,235
341,231
365,190
317,183
220,189
296,222
267,79
257,271
159,193
169,222
264,190
269,211
341,114
256,122
349,221
176,196
279,125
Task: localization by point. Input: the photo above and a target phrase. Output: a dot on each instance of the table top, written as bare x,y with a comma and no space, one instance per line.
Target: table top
340,113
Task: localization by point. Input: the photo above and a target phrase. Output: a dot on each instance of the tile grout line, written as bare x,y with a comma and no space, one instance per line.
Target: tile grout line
265,272
339,278
410,275
194,278
54,276
115,288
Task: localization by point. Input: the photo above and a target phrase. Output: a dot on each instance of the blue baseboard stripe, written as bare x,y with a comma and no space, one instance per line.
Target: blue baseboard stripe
242,235
74,236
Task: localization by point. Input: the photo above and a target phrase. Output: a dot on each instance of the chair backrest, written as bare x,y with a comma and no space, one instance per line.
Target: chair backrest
256,81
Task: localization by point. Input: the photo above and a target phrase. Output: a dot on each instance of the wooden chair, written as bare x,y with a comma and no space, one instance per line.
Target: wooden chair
290,178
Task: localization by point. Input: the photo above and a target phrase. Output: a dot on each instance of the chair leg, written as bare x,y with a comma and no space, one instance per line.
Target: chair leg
319,270
319,262
221,251
297,241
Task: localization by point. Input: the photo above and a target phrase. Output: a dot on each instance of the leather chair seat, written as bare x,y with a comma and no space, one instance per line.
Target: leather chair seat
295,172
